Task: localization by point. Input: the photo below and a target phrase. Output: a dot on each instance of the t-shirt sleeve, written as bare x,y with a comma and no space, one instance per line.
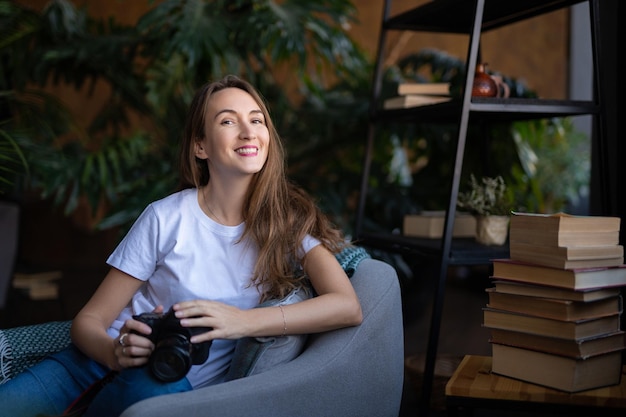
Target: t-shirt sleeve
308,243
137,254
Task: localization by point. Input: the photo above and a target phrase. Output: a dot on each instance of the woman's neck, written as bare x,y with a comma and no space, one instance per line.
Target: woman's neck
223,205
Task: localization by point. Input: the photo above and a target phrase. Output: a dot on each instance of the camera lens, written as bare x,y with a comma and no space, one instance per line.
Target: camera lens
171,360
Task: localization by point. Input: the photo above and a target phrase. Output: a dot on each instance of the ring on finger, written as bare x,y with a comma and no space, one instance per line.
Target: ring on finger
122,340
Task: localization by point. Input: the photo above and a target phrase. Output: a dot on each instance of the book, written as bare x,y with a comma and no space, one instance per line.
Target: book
568,239
442,89
429,224
572,253
49,291
567,257
572,330
564,230
563,222
38,285
575,279
565,310
413,100
554,371
512,287
25,280
578,349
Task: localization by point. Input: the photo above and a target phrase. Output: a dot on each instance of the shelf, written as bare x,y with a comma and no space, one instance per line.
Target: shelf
472,18
523,108
490,109
465,251
436,15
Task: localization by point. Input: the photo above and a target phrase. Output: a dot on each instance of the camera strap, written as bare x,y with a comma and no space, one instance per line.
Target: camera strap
80,405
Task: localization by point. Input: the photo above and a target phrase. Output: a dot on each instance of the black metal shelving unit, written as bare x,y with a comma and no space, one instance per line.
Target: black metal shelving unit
470,17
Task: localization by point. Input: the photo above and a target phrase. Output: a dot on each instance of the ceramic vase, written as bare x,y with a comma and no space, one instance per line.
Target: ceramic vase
484,85
492,230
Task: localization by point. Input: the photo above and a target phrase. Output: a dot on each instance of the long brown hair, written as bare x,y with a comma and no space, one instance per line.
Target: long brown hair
277,213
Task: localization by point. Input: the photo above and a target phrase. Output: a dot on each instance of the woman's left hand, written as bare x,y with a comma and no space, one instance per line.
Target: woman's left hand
226,322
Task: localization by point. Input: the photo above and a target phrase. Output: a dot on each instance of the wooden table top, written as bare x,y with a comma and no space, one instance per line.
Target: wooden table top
473,379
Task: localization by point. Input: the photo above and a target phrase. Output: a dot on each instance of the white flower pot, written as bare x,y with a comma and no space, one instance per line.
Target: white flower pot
492,230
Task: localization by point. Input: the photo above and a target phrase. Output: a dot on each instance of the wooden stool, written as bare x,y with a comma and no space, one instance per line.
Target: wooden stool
444,368
473,386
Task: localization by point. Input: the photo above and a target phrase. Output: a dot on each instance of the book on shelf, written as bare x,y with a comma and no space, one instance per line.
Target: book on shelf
441,89
27,279
544,291
47,291
575,279
429,224
567,257
413,100
564,230
565,310
577,349
554,371
573,330
38,284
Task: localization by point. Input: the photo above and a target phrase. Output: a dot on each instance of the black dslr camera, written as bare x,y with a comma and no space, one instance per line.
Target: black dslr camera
173,353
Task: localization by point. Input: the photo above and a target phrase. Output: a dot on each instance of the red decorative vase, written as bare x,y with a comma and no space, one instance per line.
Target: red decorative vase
484,85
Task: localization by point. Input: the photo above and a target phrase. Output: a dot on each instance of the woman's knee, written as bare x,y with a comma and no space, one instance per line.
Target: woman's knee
50,386
43,389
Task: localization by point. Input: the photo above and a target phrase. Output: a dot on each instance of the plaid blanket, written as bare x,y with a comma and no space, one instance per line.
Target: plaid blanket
21,347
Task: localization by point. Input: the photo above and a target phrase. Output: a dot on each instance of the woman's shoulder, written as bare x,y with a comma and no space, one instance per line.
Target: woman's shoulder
175,201
171,206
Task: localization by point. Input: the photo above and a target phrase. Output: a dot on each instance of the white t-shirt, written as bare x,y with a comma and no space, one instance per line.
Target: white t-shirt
182,254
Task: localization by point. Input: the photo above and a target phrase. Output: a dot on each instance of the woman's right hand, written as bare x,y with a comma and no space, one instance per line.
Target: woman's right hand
132,346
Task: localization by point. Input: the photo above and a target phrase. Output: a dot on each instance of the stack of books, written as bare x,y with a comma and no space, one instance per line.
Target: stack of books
554,309
418,94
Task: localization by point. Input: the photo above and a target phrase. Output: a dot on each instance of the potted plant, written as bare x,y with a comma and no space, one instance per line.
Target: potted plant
104,170
488,201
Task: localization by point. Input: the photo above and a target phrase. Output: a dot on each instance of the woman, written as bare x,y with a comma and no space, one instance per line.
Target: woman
235,235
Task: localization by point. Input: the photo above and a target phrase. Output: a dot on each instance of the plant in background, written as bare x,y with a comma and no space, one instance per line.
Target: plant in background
64,159
150,72
554,165
489,202
487,197
544,163
15,29
429,148
12,159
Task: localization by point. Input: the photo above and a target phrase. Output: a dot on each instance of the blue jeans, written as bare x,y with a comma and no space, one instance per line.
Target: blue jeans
52,385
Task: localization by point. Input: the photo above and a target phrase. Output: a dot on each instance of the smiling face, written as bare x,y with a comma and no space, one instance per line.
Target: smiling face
236,137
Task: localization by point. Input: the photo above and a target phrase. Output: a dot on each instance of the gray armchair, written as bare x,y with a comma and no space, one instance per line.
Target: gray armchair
355,371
